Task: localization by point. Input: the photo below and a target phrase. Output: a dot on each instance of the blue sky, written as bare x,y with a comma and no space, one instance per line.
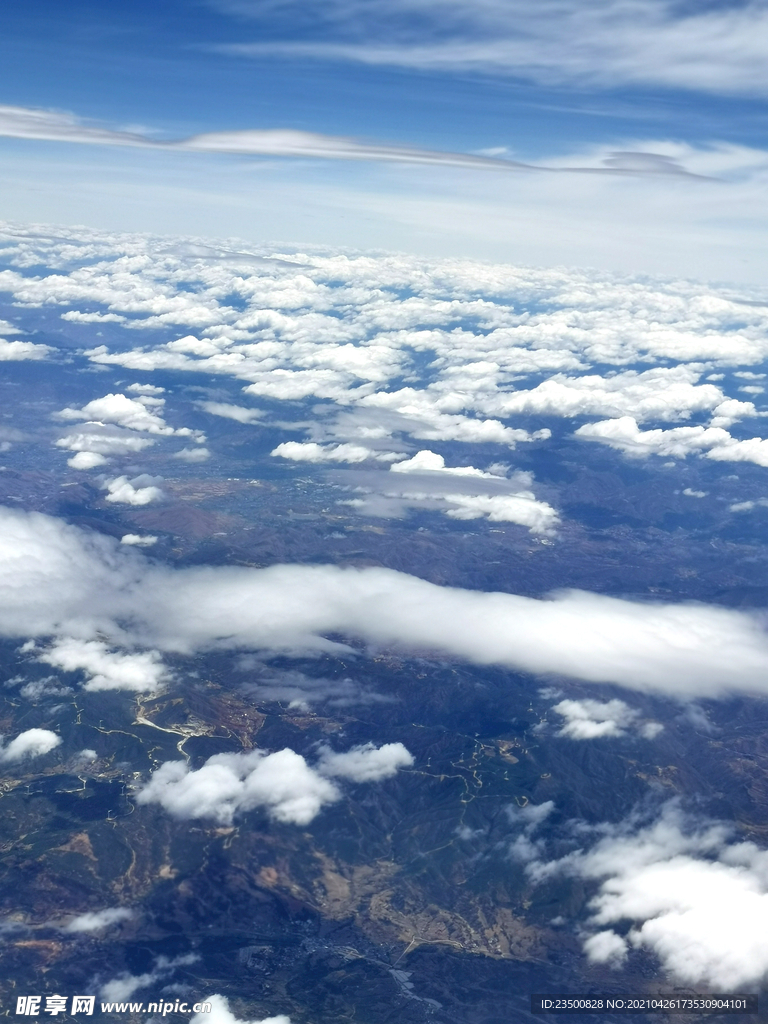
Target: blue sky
563,84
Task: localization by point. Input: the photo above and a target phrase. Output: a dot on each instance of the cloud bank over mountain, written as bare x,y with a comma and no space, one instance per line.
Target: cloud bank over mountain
58,580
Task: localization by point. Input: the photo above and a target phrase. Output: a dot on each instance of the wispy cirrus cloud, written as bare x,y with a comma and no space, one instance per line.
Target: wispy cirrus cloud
713,48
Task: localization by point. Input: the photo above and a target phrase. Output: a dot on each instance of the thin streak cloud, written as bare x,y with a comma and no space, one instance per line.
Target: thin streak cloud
59,126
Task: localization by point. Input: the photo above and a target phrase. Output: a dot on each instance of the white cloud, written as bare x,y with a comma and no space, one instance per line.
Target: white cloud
427,483
747,506
86,460
56,579
192,455
606,948
365,763
422,417
712,442
141,540
308,451
140,491
11,351
141,414
30,123
75,316
430,462
557,42
292,143
124,985
694,898
449,362
525,847
31,743
220,1013
97,439
240,413
298,690
289,789
282,783
689,492
40,688
105,669
97,920
658,394
590,719
145,389
521,508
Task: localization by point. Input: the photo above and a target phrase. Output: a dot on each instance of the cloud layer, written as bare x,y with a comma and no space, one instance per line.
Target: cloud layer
58,580
394,350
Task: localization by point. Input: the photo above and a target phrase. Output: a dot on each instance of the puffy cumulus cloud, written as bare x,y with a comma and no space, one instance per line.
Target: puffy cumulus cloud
239,413
606,948
145,389
139,540
430,462
525,847
220,1013
87,460
365,763
104,669
678,442
124,985
591,719
658,394
57,579
692,896
420,414
521,508
309,451
462,492
141,490
98,920
282,783
444,350
192,455
31,743
747,506
141,414
13,351
97,439
38,689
